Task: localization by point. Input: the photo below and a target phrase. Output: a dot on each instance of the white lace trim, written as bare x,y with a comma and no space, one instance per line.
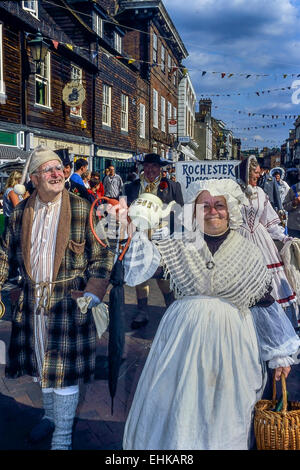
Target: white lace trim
281,362
236,272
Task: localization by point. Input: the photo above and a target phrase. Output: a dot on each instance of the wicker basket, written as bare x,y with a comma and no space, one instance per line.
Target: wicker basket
277,430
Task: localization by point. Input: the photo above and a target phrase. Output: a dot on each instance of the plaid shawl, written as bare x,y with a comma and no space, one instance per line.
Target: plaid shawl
80,264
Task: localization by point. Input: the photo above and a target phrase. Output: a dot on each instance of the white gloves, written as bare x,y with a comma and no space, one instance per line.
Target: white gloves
99,311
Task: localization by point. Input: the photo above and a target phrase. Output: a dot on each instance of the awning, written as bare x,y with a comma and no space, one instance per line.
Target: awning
136,158
188,153
13,154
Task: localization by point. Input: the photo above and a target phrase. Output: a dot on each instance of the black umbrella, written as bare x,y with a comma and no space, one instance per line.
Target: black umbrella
116,327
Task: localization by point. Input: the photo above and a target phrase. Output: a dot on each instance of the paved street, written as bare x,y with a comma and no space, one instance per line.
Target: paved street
95,427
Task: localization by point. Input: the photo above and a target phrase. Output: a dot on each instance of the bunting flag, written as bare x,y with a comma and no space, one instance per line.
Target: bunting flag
130,61
69,46
55,43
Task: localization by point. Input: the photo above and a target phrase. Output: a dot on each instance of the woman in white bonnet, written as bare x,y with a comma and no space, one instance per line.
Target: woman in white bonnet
262,226
205,369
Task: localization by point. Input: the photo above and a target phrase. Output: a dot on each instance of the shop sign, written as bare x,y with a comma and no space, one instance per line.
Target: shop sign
74,93
188,172
77,149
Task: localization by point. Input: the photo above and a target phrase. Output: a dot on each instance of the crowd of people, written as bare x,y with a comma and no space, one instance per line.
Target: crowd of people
231,316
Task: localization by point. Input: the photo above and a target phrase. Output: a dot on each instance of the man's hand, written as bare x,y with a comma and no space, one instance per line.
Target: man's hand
282,370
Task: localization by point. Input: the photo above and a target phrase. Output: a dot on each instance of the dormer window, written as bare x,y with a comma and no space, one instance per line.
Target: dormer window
31,7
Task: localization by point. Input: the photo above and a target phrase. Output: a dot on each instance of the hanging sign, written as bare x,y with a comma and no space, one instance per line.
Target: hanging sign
172,126
74,93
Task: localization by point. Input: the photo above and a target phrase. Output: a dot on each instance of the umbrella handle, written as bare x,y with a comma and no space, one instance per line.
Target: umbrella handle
113,202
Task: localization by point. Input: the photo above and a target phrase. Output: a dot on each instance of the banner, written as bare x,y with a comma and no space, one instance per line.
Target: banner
188,172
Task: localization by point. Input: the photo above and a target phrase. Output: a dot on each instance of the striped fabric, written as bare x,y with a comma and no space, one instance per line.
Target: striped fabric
43,239
112,186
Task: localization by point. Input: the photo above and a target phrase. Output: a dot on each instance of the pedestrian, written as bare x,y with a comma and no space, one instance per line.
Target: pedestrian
10,198
205,369
112,184
292,205
100,188
93,190
279,174
49,239
151,181
85,178
67,169
80,167
261,225
106,173
75,183
268,184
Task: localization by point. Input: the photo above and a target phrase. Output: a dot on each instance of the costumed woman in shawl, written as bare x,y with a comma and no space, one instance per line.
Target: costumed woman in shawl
205,369
261,225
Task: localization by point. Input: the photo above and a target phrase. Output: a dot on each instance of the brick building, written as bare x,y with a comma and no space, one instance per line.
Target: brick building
158,49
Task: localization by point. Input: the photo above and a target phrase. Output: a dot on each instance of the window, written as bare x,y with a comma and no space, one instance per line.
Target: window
163,54
31,7
98,25
106,106
42,83
174,112
142,121
162,152
118,43
124,112
154,50
174,76
76,74
169,65
169,111
2,89
163,113
155,108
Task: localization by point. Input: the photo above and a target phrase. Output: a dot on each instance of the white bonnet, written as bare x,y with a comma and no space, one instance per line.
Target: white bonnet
228,188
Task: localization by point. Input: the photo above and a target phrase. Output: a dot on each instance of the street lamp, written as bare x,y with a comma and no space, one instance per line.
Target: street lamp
38,48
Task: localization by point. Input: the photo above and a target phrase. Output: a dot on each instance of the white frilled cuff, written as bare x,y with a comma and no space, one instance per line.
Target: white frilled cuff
281,362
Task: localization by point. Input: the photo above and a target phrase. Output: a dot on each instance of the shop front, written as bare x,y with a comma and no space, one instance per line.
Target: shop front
122,161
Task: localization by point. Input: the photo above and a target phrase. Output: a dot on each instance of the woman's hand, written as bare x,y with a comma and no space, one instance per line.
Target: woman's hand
282,370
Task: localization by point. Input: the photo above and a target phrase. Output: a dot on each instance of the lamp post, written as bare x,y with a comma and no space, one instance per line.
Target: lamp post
38,48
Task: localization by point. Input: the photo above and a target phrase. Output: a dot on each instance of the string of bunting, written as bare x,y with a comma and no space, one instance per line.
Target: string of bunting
266,126
203,72
248,75
248,92
264,115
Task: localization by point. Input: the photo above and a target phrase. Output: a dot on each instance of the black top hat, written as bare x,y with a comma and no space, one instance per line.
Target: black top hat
64,156
155,158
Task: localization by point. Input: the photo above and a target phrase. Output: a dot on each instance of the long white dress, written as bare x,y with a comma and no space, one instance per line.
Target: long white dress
261,226
204,372
200,382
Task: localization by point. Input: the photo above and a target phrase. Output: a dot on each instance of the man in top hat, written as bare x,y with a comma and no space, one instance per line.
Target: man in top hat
49,239
151,181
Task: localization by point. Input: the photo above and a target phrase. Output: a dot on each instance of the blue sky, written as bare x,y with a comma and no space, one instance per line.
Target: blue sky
260,38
